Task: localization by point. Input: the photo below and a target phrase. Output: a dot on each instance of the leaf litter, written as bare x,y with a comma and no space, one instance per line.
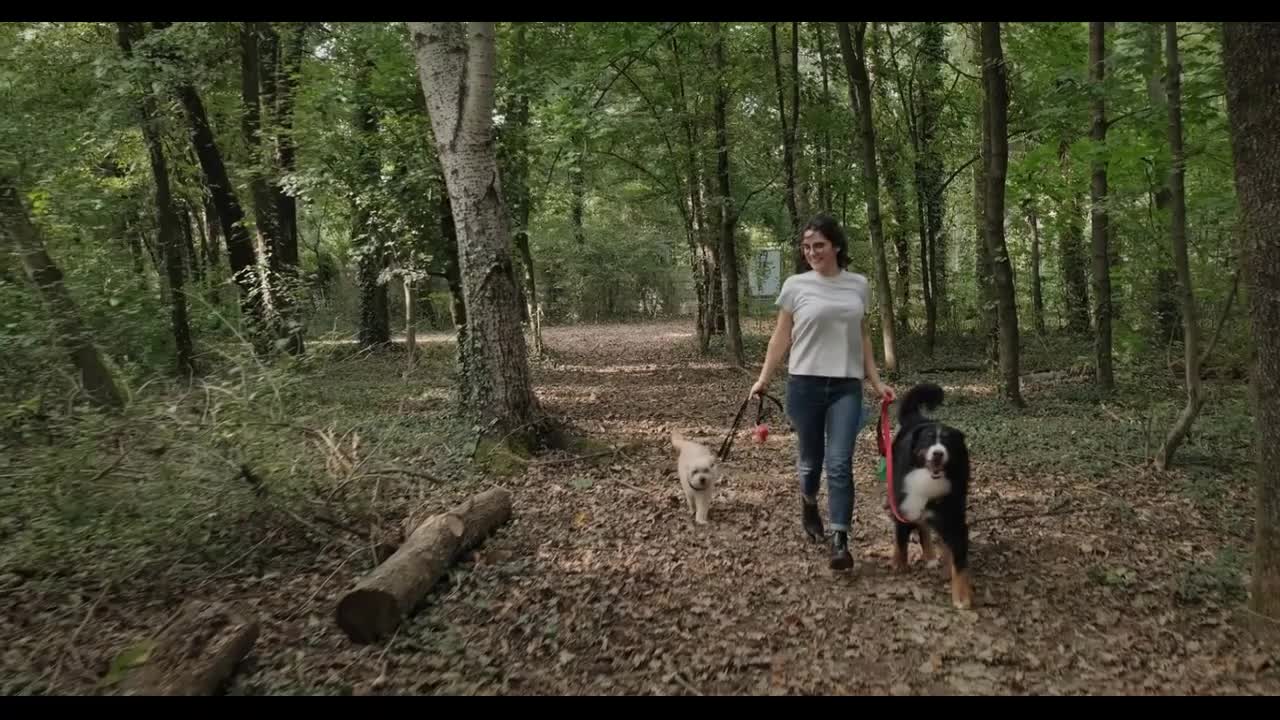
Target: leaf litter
601,583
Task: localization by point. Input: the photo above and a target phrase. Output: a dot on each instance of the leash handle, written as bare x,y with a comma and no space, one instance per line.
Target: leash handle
886,451
761,415
883,439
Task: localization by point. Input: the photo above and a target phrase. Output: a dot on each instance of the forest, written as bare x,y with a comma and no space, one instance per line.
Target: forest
344,357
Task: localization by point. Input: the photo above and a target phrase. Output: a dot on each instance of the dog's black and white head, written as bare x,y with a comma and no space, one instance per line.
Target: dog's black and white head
933,446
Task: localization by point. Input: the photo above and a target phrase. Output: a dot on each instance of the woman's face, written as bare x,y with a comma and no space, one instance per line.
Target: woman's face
819,251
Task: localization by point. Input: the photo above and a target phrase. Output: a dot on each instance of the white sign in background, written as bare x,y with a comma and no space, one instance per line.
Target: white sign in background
765,273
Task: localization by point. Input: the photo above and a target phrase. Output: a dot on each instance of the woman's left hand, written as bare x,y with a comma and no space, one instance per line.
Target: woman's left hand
884,391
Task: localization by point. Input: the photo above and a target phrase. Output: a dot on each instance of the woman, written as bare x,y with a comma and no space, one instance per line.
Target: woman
822,320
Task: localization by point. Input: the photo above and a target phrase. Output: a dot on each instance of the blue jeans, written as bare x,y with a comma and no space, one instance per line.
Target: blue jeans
827,414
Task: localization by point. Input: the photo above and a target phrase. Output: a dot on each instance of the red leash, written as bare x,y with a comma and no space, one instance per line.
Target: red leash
886,451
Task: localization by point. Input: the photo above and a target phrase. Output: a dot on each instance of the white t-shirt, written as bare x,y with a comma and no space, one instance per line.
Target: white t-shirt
826,336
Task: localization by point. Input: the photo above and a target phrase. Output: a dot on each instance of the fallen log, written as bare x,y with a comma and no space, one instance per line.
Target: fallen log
196,653
481,513
374,608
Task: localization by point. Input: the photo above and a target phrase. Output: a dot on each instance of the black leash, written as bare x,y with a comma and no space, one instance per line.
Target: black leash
762,414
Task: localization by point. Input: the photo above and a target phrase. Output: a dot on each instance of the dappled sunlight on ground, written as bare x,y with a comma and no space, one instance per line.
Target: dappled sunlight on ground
601,583
978,389
635,369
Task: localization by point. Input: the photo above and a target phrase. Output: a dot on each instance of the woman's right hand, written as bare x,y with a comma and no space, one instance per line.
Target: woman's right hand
758,388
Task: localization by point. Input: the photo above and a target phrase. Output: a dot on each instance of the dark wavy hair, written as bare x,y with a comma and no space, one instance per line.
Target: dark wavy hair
831,230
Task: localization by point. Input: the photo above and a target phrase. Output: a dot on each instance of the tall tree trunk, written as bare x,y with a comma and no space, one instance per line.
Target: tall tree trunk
134,241
926,257
19,237
789,139
711,224
250,127
1251,60
855,61
254,289
1075,278
531,296
213,231
1037,296
291,52
457,295
930,173
375,307
696,219
166,217
264,202
1181,264
240,252
578,185
211,244
891,152
410,319
1165,280
456,65
1099,226
824,152
997,98
192,255
517,129
922,167
989,322
728,213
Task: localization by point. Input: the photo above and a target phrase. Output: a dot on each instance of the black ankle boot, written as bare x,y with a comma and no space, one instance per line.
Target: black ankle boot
810,519
840,557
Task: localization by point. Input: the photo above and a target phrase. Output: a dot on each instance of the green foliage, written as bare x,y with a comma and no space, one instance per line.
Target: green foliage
628,107
1216,581
189,479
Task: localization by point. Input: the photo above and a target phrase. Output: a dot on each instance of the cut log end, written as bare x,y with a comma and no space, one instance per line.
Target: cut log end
367,614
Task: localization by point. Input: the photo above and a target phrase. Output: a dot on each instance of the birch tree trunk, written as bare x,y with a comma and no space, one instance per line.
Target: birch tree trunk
456,66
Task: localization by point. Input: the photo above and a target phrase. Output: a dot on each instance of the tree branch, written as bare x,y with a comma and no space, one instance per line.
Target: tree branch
670,29
666,138
905,94
1222,319
974,159
657,180
1148,109
757,191
943,59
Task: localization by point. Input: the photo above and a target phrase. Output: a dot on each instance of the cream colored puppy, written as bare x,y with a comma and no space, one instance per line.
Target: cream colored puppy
698,475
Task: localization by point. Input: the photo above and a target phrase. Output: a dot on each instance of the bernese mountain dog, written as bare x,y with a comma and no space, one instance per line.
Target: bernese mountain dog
931,485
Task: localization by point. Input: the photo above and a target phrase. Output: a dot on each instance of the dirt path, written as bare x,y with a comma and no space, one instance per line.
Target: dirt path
602,584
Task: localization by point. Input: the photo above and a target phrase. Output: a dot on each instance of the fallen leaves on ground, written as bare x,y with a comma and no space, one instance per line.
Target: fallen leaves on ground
602,584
